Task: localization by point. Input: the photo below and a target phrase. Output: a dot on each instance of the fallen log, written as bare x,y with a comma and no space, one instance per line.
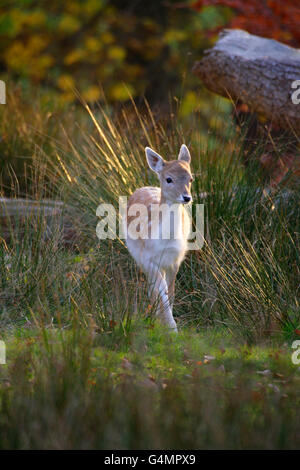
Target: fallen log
256,71
46,215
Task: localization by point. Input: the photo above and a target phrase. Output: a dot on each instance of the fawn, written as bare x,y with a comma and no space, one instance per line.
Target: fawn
161,212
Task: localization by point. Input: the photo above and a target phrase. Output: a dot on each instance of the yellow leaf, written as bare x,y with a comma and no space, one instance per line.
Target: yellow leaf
65,98
174,35
107,38
188,104
66,82
116,53
69,24
121,92
93,44
35,18
74,56
92,93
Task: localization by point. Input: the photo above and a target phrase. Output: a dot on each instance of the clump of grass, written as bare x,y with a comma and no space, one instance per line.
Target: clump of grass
40,272
28,129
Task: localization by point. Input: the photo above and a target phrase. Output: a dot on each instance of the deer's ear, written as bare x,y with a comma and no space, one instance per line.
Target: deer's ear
155,161
184,154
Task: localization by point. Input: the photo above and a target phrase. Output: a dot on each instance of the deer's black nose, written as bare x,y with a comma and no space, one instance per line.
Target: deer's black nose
186,198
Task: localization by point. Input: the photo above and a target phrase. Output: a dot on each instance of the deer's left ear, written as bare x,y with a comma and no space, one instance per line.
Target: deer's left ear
184,154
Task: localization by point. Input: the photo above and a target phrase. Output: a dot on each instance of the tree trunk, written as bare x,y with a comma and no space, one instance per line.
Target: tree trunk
257,71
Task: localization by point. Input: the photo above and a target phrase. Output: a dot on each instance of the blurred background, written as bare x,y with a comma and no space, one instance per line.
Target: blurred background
110,48
109,51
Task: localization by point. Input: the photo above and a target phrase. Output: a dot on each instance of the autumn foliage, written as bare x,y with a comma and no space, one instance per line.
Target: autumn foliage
277,19
100,45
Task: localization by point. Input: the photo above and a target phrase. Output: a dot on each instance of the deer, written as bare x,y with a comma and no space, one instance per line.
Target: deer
161,212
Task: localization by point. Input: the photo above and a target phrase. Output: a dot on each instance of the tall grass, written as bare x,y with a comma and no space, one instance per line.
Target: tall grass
246,276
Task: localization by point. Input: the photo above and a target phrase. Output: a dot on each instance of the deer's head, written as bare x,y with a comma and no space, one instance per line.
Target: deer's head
175,175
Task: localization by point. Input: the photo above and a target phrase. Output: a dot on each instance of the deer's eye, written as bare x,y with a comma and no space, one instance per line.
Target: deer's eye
169,180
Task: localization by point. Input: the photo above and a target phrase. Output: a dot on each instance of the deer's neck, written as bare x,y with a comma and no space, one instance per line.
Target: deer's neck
164,200
170,221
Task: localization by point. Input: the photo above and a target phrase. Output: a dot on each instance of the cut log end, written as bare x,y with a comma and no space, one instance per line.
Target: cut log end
259,72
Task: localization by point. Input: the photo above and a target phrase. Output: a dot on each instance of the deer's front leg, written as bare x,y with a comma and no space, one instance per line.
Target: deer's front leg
158,290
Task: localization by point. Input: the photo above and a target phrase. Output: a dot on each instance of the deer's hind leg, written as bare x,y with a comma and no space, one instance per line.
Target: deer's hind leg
171,274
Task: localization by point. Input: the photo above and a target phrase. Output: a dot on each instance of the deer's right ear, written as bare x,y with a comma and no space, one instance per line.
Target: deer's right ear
155,161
